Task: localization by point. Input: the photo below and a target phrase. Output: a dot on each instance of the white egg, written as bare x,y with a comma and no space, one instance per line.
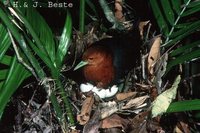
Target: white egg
86,87
100,92
112,91
105,93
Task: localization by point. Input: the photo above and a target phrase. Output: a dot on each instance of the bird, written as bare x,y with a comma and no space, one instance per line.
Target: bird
107,61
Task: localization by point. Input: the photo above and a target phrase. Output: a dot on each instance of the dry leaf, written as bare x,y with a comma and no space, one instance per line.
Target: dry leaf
162,102
138,119
118,11
177,130
141,27
153,125
86,109
75,131
160,71
154,54
125,95
135,102
112,130
184,126
115,121
138,123
93,124
153,93
108,109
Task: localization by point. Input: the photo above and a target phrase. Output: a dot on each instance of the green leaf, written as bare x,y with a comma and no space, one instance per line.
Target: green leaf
6,20
183,58
162,102
187,105
182,33
194,4
178,38
110,16
159,17
17,73
18,36
38,52
4,41
3,74
190,28
92,6
191,11
176,6
39,30
184,48
6,60
1,84
183,25
169,14
185,1
64,41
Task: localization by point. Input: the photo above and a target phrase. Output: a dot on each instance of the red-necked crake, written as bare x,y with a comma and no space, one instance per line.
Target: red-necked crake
107,61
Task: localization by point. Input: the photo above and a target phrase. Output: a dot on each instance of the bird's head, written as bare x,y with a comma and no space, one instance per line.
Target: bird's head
93,56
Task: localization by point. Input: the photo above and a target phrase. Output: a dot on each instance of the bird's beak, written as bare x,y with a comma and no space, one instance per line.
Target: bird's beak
81,64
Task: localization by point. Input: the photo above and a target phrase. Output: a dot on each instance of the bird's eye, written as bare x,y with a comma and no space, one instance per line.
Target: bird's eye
90,58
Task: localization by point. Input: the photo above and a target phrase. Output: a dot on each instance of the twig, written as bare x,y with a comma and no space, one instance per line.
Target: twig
20,59
148,31
144,57
191,77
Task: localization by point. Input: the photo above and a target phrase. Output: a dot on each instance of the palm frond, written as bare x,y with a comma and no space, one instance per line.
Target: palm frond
177,20
171,13
4,41
38,28
14,76
64,41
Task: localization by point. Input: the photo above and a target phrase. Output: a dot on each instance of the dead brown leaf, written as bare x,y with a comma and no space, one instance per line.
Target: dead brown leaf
86,109
138,119
108,109
125,95
160,69
118,11
153,125
141,27
153,93
115,121
93,124
135,102
154,54
75,131
184,126
138,123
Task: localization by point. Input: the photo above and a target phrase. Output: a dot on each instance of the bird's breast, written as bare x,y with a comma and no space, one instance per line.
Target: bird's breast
102,74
